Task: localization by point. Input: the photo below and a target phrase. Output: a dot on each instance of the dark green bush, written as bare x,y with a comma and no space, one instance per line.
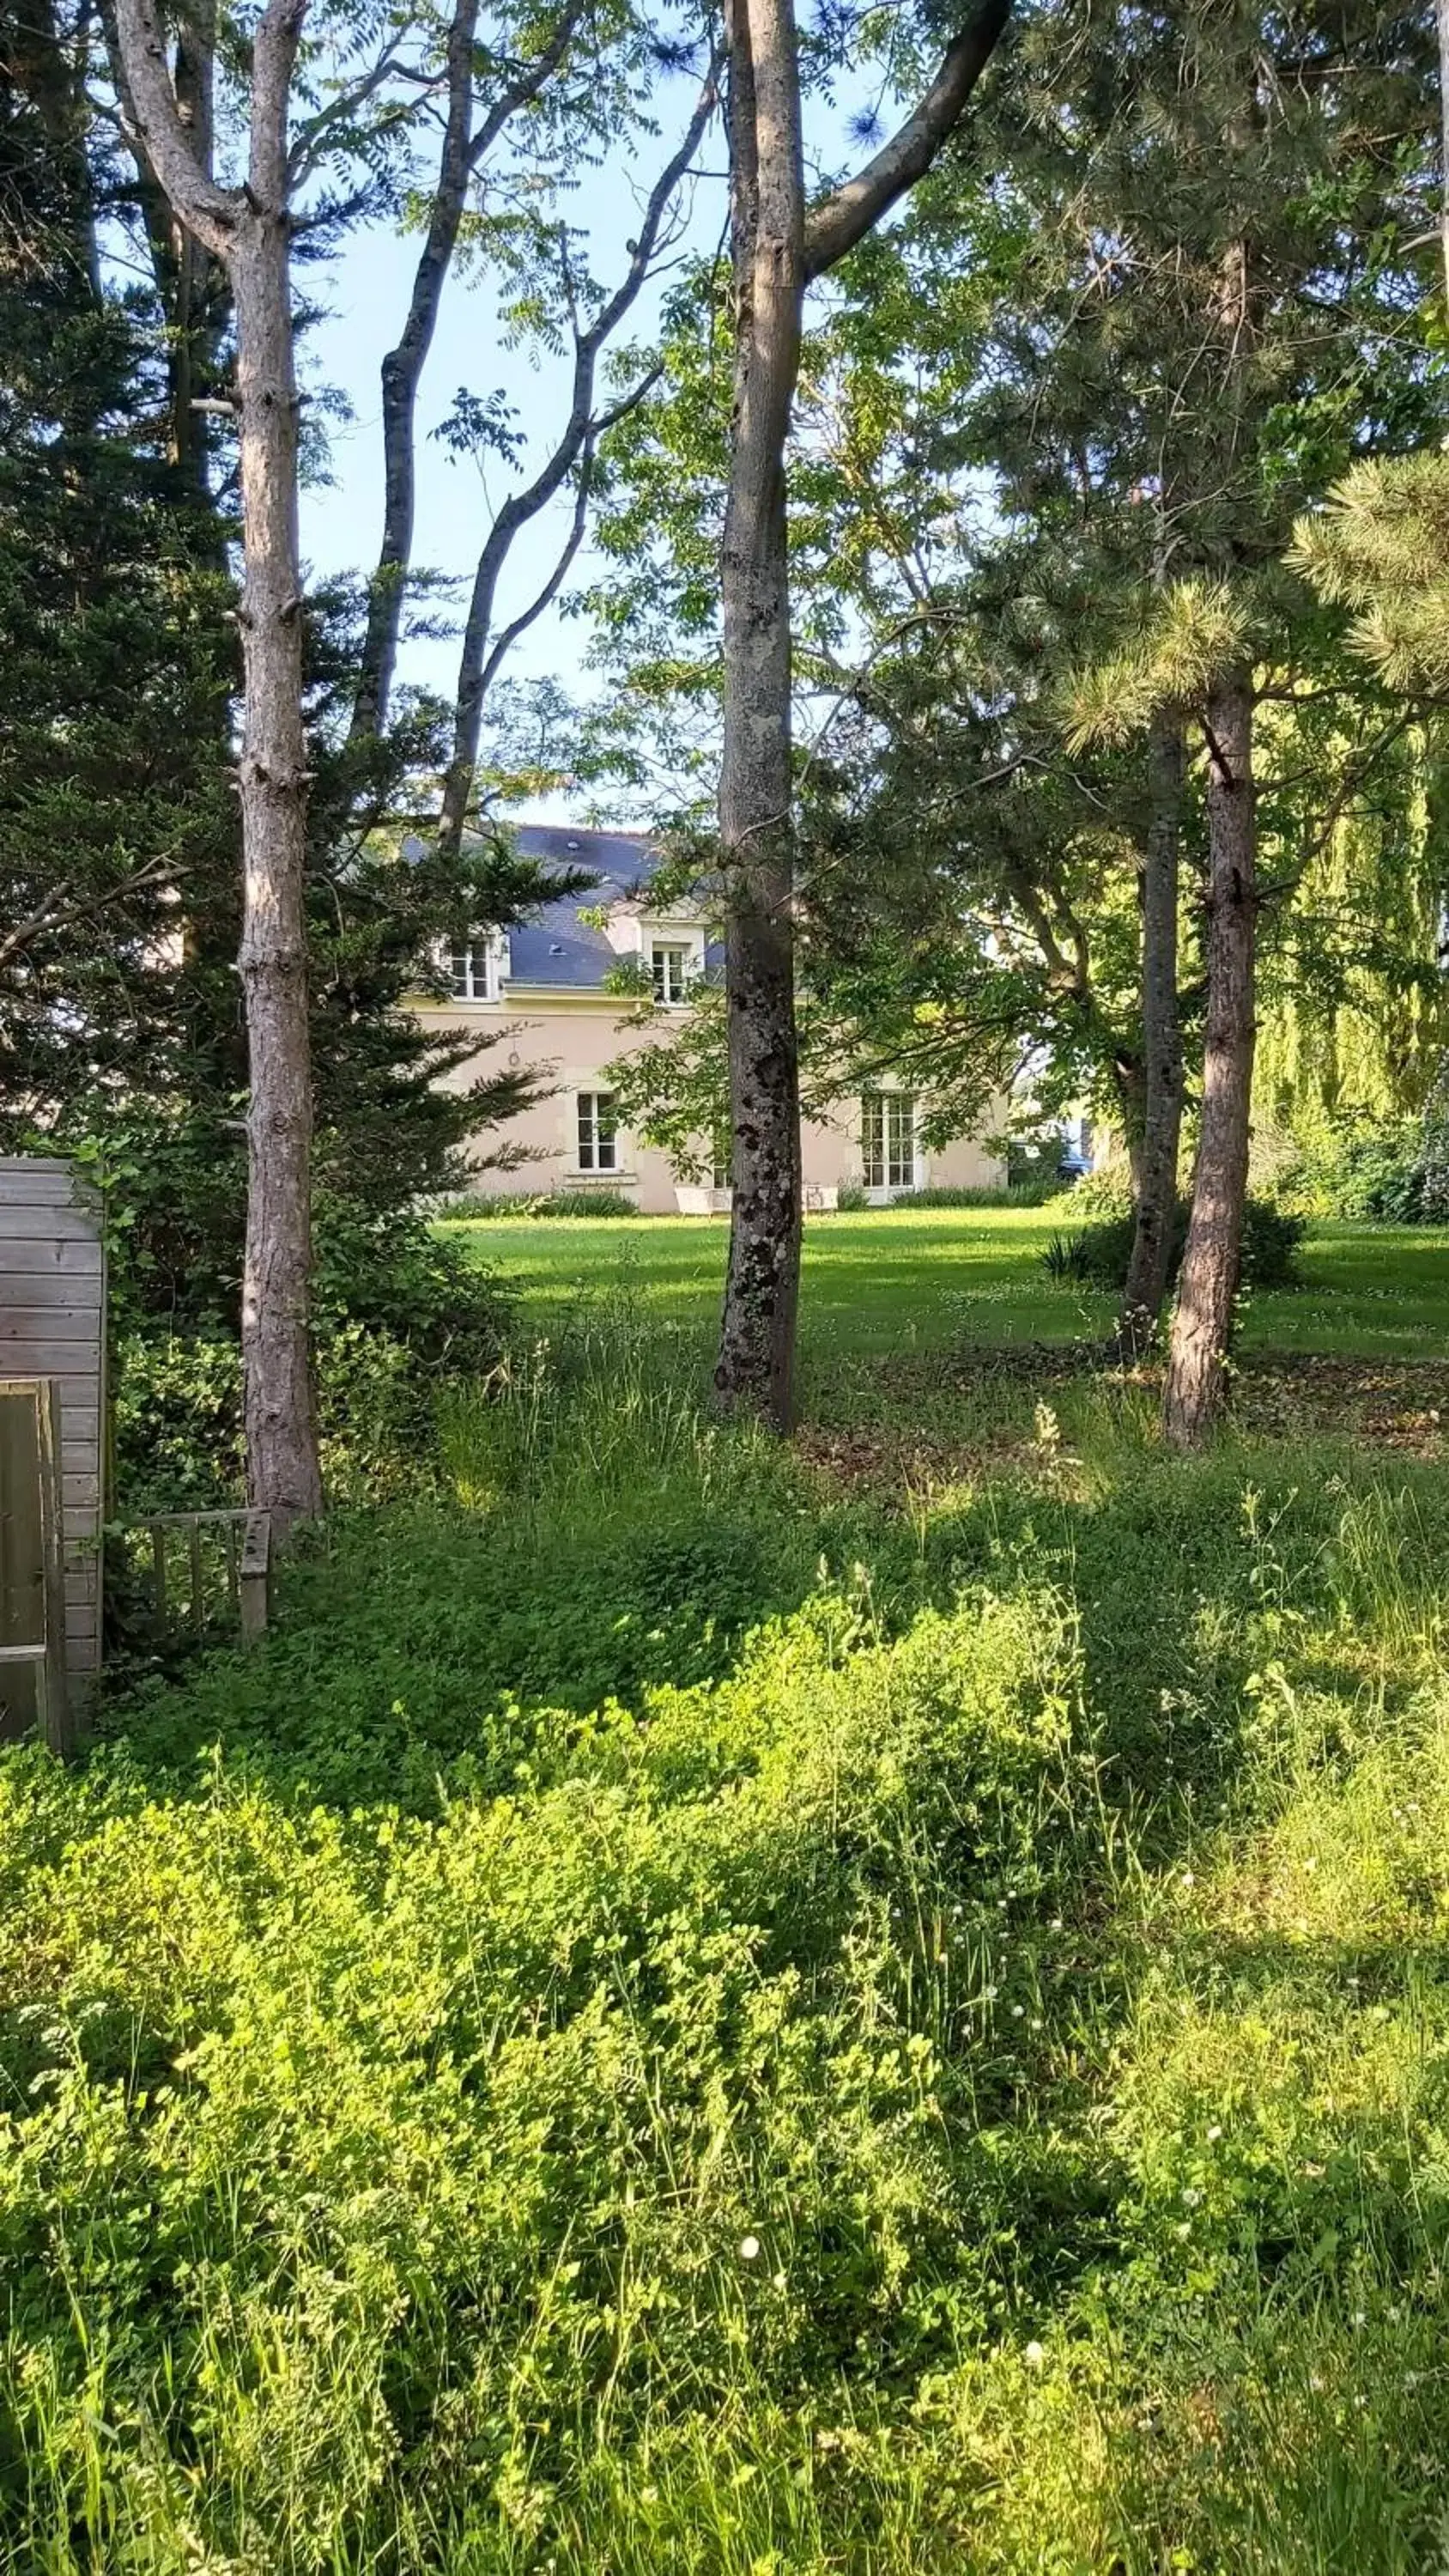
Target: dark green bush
1378,1174
1098,1255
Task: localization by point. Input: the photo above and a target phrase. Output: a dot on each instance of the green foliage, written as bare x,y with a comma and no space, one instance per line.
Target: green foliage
1378,546
664,2020
1189,634
1104,1192
1100,1253
540,1206
1392,1175
401,1311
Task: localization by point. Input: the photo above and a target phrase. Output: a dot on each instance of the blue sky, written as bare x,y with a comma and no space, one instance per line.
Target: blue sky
366,297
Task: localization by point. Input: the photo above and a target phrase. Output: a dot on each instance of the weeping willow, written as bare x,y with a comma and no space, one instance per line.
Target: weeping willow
1354,994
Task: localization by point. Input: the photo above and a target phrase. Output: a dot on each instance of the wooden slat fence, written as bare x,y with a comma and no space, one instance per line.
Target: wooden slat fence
201,1572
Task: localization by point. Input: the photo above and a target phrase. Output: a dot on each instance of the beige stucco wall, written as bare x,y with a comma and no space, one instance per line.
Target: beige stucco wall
570,1043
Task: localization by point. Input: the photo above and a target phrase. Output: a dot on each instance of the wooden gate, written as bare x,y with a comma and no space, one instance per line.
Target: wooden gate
33,1690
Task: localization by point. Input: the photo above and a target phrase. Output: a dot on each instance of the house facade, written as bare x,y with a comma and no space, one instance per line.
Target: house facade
541,994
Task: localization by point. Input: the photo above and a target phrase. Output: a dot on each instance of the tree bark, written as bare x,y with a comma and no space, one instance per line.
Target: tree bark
755,1370
283,1466
193,318
1202,1325
248,228
774,251
1129,1082
1441,27
1151,1256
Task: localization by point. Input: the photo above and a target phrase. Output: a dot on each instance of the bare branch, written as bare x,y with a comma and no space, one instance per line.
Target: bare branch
554,583
477,664
402,368
55,912
311,140
850,212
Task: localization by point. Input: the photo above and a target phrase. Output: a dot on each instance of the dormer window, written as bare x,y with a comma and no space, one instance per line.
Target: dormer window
671,973
475,969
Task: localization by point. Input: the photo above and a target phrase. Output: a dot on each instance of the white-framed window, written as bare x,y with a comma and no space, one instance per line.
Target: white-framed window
476,967
598,1132
888,1140
671,971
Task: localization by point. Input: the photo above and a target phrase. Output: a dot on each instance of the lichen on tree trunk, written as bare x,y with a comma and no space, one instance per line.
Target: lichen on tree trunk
755,1370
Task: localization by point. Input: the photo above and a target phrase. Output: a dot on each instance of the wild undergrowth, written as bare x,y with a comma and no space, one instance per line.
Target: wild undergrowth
680,2016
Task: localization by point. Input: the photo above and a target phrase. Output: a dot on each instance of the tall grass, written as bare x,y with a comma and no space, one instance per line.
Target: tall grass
606,1405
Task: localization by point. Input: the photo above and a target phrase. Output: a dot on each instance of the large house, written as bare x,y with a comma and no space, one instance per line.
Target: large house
542,991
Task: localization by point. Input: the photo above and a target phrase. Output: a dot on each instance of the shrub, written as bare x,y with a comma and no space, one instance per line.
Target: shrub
1377,1174
542,1205
1015,1194
1105,1192
405,2169
1395,1172
1098,1255
398,1308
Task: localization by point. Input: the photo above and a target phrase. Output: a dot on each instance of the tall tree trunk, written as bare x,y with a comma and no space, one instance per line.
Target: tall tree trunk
283,1466
774,253
1441,20
248,228
755,1370
189,274
1202,1326
1129,1081
1151,1257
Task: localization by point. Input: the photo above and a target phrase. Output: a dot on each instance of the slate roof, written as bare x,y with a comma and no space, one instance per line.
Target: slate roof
553,946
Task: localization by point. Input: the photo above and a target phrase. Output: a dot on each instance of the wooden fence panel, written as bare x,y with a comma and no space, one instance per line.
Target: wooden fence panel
52,1324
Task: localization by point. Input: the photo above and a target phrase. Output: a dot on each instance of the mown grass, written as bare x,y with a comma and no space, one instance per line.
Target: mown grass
707,2008
939,1277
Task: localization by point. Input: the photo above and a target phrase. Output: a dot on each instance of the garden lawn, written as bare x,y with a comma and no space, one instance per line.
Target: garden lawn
899,1279
876,2007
